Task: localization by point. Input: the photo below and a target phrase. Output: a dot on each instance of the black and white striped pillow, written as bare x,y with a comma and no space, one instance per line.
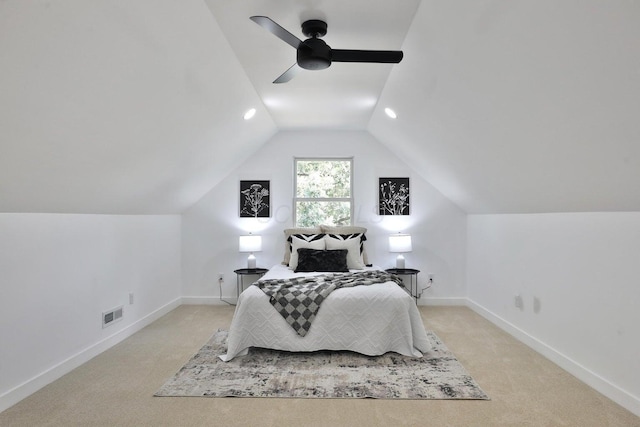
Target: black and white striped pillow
301,236
347,229
298,230
361,236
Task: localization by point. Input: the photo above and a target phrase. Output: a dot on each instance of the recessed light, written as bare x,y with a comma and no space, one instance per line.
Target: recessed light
390,113
249,114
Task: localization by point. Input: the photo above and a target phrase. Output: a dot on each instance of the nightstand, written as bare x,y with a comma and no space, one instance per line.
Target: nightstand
241,272
413,279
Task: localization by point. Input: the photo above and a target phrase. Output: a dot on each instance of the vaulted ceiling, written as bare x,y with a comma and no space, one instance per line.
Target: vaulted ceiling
136,106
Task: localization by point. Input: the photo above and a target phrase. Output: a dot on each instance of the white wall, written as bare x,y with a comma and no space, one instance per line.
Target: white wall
212,226
59,272
583,269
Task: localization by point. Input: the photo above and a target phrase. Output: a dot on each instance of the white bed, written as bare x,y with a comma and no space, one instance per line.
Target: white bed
371,320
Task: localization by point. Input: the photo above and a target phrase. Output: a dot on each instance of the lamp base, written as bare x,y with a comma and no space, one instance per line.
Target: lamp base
400,262
251,262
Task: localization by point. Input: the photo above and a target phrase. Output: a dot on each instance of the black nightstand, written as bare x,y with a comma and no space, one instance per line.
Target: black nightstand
241,272
413,279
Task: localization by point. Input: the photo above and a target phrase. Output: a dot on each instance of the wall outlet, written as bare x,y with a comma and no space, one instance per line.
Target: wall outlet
537,305
130,298
431,277
220,277
518,301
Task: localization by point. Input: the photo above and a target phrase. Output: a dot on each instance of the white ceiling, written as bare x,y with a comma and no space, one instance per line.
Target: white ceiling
136,106
342,96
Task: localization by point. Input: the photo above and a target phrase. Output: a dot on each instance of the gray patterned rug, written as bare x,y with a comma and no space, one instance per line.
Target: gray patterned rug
322,374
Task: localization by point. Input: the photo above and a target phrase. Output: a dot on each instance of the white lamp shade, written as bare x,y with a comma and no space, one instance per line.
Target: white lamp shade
250,243
400,243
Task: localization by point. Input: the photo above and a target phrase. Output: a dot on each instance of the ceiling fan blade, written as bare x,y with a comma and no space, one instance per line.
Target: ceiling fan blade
289,74
349,55
275,29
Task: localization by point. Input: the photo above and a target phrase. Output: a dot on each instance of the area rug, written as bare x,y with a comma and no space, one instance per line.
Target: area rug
322,374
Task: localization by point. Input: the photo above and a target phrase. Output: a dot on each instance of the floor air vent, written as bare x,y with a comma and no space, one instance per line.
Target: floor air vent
111,316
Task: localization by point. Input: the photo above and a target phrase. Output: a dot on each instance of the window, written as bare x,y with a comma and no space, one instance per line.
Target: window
323,192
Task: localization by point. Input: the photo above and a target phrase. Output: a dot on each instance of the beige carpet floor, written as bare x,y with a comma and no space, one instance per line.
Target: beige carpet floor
116,388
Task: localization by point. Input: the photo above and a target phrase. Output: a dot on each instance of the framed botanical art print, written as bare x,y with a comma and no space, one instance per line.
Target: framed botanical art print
393,196
255,199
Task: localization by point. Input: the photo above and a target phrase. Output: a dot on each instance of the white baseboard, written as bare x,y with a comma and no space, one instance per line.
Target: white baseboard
34,384
208,301
456,301
613,392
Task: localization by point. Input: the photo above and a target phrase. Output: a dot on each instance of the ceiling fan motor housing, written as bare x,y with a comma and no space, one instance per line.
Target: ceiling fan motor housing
314,54
314,28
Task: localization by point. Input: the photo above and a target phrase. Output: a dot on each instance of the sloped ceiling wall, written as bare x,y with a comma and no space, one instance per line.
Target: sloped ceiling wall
118,106
527,106
136,107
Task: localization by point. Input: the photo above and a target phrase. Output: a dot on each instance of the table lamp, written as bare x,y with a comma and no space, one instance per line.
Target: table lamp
400,243
250,243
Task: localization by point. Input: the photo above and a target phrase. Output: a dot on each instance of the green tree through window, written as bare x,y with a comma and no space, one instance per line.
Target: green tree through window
323,192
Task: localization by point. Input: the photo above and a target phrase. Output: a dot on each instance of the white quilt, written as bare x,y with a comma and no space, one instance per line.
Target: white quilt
371,320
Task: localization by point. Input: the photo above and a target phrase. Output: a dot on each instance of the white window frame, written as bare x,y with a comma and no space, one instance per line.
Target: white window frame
297,199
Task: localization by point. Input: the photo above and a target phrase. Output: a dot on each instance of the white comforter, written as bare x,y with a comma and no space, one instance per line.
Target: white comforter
371,320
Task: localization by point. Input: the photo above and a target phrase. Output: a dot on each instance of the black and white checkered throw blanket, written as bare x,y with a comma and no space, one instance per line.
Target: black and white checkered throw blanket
298,299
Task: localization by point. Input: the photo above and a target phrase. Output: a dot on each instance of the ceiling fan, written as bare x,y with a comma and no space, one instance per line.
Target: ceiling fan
315,54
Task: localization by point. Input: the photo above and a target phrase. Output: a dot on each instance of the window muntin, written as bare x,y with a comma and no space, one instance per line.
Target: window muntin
323,191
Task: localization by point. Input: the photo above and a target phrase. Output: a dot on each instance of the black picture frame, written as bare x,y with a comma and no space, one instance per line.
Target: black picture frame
255,199
393,196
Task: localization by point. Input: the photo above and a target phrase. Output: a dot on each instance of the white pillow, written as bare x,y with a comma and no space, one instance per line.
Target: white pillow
297,243
354,259
288,232
348,229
